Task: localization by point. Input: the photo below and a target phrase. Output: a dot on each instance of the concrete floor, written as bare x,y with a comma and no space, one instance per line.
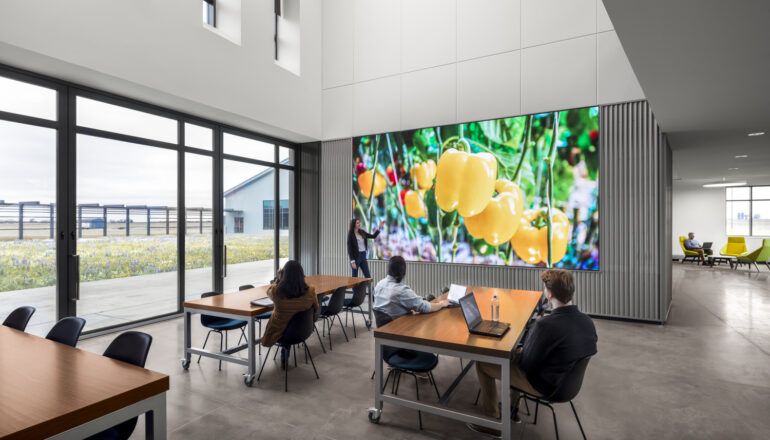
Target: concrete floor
703,375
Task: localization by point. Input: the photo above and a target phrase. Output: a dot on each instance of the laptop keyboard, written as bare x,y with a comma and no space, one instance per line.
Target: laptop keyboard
489,326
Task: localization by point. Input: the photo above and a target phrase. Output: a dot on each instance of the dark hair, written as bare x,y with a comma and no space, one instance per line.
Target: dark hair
352,227
292,280
560,283
397,268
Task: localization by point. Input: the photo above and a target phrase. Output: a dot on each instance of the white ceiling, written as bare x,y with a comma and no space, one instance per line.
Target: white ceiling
704,66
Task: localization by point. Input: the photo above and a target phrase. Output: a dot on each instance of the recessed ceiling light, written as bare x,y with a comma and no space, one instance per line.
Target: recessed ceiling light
757,133
732,169
723,184
741,156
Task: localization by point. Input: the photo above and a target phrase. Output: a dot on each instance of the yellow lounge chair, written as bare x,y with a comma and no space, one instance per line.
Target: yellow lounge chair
734,247
692,255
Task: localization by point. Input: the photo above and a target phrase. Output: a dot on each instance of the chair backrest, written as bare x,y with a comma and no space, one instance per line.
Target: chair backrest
735,246
359,294
299,328
19,318
67,330
131,347
246,287
571,383
207,320
336,302
381,318
681,242
762,254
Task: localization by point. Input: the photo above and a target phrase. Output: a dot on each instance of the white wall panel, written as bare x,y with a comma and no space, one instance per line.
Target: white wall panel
429,97
338,42
546,21
616,80
559,75
486,27
428,35
377,106
377,39
603,22
338,112
489,87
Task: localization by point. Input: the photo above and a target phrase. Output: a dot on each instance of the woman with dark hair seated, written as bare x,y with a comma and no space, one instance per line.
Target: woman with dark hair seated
290,295
393,297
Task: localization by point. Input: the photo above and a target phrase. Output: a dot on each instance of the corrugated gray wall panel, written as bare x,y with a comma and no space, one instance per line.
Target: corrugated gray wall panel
634,280
309,183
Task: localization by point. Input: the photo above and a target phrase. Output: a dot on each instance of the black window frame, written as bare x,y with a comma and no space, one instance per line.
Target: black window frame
67,130
750,200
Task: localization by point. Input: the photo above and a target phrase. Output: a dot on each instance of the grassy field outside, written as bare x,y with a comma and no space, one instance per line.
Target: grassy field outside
26,264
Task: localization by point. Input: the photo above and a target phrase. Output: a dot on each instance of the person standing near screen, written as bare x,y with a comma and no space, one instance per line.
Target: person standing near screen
358,245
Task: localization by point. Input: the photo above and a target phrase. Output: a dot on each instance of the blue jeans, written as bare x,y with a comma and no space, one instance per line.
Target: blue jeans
362,264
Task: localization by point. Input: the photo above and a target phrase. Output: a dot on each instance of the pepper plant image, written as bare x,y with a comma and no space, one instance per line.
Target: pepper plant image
519,191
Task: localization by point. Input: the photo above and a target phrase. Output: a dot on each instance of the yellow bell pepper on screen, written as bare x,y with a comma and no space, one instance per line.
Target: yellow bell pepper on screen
424,173
500,220
414,205
365,183
465,181
531,240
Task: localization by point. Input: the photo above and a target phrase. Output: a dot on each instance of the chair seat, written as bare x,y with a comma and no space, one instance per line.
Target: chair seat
417,361
226,324
264,316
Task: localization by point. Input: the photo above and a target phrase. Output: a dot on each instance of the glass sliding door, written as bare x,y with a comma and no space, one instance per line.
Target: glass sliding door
126,229
249,224
199,236
28,222
286,218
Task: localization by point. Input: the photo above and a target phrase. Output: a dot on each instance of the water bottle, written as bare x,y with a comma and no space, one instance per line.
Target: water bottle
495,308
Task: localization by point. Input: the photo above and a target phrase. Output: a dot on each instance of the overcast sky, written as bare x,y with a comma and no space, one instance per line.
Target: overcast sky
111,172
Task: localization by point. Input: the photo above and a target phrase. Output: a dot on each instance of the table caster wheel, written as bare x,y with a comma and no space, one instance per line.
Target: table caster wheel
186,364
374,415
248,380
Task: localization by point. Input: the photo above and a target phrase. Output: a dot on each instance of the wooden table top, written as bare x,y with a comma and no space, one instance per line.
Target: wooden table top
47,387
239,303
447,328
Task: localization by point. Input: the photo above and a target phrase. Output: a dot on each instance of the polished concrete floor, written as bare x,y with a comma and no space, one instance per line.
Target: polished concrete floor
703,375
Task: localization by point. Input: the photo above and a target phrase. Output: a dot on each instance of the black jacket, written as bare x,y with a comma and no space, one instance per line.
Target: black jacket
353,242
553,346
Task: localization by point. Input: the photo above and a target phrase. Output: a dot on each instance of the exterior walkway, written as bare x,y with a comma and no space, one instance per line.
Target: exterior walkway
121,300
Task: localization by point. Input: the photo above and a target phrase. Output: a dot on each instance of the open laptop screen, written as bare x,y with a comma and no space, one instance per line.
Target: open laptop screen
470,310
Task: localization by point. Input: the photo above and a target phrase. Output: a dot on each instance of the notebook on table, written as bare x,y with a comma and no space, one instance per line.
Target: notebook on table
262,302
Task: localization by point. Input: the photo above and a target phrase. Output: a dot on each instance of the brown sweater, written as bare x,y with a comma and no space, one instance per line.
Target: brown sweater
284,310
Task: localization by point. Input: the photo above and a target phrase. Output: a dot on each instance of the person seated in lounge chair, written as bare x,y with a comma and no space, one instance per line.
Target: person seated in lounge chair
691,244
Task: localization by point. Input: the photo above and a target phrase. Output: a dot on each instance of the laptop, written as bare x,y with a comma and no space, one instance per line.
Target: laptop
473,319
707,245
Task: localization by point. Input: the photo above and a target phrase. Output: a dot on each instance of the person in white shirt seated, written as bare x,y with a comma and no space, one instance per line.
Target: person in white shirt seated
396,299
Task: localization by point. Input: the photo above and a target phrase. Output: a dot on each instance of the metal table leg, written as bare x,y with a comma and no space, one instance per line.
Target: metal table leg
505,394
369,322
376,411
187,340
248,378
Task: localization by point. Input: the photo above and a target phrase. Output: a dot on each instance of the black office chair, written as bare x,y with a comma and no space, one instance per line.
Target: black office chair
567,390
220,326
19,318
300,328
403,361
257,318
332,310
359,294
67,331
131,347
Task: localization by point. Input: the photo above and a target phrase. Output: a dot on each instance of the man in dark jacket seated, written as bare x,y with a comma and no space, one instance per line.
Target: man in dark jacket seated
554,344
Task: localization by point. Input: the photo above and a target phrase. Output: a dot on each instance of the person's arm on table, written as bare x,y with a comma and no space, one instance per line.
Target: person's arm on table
415,303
